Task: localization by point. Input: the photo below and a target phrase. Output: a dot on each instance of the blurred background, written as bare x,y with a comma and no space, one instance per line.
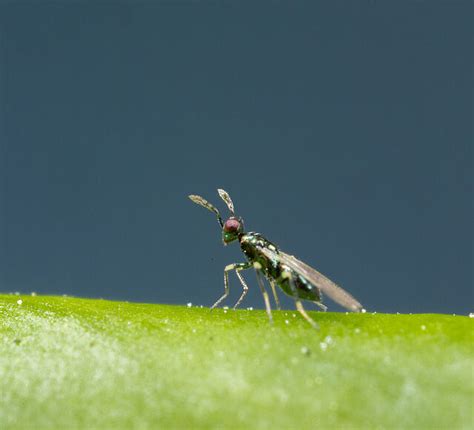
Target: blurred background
342,130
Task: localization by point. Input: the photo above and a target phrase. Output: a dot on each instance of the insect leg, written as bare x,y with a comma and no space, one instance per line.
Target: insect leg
275,295
265,295
321,306
242,266
227,269
298,304
301,310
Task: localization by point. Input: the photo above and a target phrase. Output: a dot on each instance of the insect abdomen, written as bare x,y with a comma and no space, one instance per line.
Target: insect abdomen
304,290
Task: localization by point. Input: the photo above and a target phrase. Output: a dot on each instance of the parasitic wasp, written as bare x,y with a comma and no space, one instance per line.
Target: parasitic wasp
295,278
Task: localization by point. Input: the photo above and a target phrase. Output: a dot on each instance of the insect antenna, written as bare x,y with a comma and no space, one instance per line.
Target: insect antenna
228,201
205,204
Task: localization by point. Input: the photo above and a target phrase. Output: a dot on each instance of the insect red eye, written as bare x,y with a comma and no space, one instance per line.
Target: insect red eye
231,225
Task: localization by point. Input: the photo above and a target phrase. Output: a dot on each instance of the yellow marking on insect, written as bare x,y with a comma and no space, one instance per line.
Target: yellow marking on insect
286,275
229,267
257,265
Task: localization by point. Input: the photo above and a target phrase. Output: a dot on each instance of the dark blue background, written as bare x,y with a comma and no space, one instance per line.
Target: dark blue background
342,130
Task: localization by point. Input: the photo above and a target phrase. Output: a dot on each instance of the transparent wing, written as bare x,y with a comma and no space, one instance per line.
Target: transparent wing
328,287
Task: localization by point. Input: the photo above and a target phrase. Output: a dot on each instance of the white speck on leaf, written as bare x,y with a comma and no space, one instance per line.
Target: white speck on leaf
189,304
19,301
305,350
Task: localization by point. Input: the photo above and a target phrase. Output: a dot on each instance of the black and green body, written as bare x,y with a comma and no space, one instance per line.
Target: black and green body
252,245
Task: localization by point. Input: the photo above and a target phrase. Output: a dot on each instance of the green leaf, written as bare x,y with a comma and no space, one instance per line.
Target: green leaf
93,364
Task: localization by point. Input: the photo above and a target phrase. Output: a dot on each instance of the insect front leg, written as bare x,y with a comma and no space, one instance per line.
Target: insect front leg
241,266
265,295
227,269
298,304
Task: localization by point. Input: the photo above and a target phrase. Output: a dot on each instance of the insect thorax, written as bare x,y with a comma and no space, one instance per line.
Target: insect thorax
252,243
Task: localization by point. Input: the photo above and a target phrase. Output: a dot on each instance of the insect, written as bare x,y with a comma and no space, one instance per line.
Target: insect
295,278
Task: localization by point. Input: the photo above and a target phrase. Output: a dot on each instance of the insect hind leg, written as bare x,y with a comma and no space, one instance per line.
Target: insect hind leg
298,304
301,310
324,308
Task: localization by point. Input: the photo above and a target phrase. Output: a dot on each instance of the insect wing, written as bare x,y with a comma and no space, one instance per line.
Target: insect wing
328,287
